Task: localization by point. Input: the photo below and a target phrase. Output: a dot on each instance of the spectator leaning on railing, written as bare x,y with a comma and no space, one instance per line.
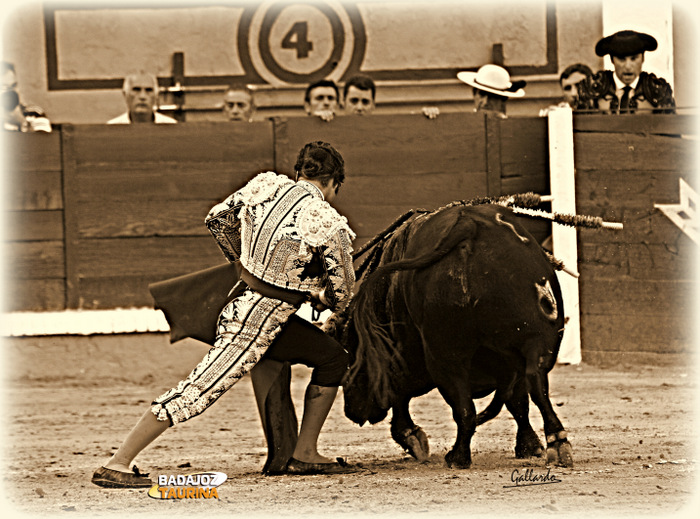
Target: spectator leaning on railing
238,103
16,116
321,99
359,95
570,82
141,97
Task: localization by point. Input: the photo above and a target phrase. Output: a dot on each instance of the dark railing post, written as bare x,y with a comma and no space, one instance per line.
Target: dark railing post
177,88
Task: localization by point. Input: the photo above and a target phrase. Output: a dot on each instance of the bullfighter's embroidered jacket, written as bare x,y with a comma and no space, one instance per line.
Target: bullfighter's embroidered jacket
652,93
285,234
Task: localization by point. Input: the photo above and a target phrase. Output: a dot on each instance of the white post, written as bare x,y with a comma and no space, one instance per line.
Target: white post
563,190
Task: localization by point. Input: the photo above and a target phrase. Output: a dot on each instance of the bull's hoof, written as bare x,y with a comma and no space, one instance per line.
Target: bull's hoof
566,455
528,445
560,454
415,442
423,442
456,461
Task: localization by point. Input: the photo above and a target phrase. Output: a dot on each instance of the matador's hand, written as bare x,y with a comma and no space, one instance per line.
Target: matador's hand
318,301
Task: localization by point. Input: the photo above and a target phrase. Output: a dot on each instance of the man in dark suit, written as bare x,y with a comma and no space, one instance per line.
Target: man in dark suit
628,89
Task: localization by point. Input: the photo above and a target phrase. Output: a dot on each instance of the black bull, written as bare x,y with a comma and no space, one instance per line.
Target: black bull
465,300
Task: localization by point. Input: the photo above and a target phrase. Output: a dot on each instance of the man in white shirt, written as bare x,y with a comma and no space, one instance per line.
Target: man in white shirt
141,96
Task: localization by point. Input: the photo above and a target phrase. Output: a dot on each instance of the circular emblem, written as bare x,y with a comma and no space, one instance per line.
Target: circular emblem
299,42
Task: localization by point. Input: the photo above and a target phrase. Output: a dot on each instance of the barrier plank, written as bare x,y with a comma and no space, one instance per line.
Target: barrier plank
403,144
249,146
640,261
615,152
625,295
146,182
116,272
624,333
34,151
524,150
659,124
34,260
494,164
38,295
33,226
33,190
100,218
155,257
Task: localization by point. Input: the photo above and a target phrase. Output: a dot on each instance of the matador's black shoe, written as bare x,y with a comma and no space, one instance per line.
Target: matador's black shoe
301,468
109,478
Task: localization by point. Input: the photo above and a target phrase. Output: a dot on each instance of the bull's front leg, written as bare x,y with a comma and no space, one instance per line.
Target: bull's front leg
458,396
559,451
406,433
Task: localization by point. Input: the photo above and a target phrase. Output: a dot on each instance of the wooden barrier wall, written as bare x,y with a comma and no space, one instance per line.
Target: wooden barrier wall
96,213
34,255
638,286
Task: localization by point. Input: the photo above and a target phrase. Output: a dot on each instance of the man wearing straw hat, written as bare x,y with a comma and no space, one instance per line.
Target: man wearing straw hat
628,89
492,87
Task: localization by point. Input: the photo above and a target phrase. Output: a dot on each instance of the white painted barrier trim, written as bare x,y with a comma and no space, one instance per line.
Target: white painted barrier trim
563,189
96,322
84,322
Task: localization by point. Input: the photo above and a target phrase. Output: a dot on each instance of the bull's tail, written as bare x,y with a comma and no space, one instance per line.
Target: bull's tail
376,351
491,411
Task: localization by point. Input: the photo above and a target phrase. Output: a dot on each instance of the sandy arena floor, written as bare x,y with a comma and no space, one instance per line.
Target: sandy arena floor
70,401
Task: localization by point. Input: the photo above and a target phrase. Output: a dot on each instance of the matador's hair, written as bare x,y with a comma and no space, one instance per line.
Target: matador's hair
320,161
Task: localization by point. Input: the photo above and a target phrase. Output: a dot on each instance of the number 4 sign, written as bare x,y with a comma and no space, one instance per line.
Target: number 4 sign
298,38
298,42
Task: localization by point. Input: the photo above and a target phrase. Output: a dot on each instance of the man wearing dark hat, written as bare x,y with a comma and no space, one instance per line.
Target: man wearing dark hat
628,89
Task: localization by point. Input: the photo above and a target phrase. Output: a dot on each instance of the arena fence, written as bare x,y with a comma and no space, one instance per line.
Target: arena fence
94,213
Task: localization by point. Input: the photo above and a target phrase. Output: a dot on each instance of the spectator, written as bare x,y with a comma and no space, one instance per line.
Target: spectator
359,95
238,103
16,116
321,99
492,88
569,81
627,89
141,96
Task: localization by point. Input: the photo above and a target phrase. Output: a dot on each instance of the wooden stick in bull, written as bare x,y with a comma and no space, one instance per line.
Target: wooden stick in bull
523,203
572,220
592,222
